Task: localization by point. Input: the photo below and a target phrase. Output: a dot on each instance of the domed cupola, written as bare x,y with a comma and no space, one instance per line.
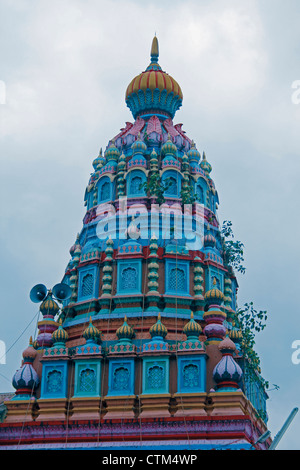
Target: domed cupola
60,336
99,161
91,333
112,154
25,379
192,329
153,91
139,148
158,330
193,155
169,154
205,165
125,333
169,149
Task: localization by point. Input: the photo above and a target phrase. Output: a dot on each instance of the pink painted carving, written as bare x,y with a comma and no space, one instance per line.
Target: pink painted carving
154,125
178,127
168,125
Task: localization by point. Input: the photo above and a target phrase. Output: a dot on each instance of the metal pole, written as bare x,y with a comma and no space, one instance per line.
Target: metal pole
279,435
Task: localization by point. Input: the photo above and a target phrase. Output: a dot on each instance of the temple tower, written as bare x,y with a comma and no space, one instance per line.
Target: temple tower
145,353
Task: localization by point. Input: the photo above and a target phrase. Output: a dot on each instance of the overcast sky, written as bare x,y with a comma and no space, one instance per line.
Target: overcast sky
65,67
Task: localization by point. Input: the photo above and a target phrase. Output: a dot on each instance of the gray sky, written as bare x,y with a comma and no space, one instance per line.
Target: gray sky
66,66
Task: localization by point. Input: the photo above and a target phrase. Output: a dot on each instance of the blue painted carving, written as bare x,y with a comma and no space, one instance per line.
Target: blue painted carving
135,180
191,374
135,185
87,377
88,279
105,192
172,179
200,194
87,285
121,379
87,381
105,187
155,375
54,381
177,277
129,277
172,189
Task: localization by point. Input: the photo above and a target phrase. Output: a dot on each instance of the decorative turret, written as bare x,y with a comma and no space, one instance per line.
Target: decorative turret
158,331
49,309
59,336
214,317
74,274
205,166
99,161
153,90
186,193
198,279
112,154
227,373
125,333
120,177
91,334
107,270
192,330
25,379
168,149
193,155
153,266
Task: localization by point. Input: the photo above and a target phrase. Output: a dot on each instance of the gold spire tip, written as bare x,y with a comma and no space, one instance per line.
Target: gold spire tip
154,47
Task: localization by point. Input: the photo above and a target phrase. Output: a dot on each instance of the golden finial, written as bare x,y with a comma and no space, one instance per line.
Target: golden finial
154,48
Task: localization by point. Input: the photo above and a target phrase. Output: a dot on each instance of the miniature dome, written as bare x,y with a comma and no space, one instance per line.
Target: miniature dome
112,152
153,89
168,148
227,345
125,332
139,146
29,353
60,335
26,379
209,240
76,245
227,370
193,154
99,161
205,166
214,296
49,306
158,329
192,328
91,333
